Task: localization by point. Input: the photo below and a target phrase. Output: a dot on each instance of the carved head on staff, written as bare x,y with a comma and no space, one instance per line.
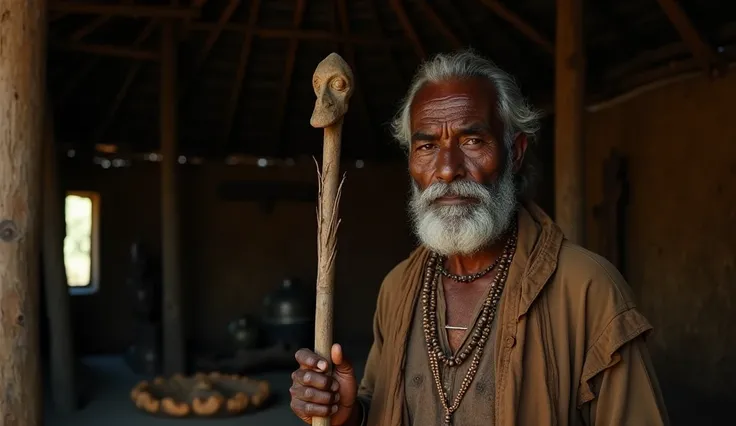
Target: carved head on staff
333,85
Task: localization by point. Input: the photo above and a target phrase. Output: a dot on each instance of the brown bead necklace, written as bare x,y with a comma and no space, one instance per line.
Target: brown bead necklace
481,329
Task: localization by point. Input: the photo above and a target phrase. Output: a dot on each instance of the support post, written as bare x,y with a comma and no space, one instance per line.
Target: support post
173,329
61,339
569,94
22,91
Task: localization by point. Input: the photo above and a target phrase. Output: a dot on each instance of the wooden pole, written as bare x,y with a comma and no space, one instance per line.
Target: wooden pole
63,385
173,331
569,91
333,83
22,91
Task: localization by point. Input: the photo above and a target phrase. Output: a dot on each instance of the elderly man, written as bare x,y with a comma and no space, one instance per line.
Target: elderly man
496,319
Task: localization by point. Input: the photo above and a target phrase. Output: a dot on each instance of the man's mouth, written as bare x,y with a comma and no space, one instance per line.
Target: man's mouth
451,200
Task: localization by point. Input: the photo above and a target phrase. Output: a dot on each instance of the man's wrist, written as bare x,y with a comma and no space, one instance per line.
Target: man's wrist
358,415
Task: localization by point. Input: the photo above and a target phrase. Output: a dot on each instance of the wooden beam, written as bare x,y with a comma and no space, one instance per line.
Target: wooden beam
88,29
174,359
362,104
22,92
73,82
398,8
214,35
93,25
522,26
301,6
55,16
215,32
56,289
127,10
455,16
290,33
380,29
107,50
645,60
127,83
117,102
700,49
441,25
232,107
569,93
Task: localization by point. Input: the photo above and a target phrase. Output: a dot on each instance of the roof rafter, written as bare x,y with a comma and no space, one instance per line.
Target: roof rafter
400,12
93,25
454,15
299,34
301,7
342,10
391,54
521,25
215,32
75,80
224,18
129,10
441,25
125,88
700,49
88,29
107,50
232,107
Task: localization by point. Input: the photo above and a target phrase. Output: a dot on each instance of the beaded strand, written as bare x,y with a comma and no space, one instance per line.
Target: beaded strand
481,331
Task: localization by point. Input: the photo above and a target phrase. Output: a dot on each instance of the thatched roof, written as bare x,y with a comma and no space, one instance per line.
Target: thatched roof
245,66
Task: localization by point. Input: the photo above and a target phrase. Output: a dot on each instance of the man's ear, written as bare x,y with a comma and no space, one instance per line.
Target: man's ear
520,144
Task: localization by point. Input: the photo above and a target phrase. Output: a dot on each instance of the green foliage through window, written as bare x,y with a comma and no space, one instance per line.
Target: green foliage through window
79,243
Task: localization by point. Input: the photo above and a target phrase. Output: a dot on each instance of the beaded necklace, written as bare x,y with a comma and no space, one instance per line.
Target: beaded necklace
480,331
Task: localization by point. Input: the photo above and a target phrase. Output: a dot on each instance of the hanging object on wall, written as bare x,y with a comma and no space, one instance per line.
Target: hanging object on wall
201,395
611,213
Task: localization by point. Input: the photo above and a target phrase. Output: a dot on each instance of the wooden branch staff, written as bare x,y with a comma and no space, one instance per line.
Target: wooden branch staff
333,85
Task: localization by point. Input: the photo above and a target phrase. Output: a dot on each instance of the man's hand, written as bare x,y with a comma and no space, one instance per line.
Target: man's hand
314,393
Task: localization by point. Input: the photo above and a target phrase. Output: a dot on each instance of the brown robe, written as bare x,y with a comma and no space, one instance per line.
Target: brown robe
569,349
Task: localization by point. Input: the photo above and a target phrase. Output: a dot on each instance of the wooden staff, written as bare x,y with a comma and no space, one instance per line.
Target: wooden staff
333,85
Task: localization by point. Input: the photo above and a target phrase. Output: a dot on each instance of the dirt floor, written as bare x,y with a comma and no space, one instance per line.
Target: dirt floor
109,381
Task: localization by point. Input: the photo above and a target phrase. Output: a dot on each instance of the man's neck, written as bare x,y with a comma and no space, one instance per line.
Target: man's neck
467,264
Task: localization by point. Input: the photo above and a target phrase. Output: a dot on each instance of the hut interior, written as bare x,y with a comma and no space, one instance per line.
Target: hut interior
179,145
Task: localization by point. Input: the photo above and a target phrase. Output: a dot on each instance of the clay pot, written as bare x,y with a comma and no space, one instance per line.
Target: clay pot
288,315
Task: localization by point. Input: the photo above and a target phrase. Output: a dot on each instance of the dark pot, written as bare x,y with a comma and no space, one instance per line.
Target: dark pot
288,316
244,333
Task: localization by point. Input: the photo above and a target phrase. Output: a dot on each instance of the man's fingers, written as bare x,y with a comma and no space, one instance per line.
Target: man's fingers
308,394
310,409
308,359
313,379
342,364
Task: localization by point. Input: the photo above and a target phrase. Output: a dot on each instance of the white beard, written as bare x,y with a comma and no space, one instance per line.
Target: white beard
463,229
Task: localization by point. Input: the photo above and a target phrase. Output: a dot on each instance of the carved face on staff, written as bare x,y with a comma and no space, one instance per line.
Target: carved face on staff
333,85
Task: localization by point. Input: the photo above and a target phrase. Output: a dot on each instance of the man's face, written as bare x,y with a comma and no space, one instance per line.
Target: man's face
463,185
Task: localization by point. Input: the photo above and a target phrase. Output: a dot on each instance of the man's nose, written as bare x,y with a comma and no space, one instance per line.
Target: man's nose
450,164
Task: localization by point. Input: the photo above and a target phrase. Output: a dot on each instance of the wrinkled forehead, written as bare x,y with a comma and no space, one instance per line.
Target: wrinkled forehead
459,101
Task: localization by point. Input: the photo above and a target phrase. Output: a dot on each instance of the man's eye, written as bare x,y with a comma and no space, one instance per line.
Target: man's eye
473,141
425,147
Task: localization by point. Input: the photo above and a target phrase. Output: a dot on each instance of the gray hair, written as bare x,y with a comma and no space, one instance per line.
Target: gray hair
517,115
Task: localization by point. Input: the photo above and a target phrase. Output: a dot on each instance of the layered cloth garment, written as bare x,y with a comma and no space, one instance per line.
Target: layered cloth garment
568,346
